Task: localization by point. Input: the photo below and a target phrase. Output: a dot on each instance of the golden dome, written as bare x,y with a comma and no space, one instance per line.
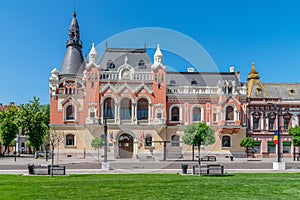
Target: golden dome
253,74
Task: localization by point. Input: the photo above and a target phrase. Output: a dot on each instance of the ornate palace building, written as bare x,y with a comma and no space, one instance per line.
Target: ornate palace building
146,108
272,107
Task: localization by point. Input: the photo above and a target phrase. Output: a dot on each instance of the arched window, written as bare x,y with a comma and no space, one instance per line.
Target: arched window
70,140
175,141
272,117
142,109
196,114
256,119
148,141
229,113
125,112
66,90
175,114
70,90
230,90
70,112
109,108
226,141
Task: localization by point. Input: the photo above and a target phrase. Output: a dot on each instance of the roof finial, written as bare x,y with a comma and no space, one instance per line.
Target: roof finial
253,66
106,45
126,59
74,7
145,45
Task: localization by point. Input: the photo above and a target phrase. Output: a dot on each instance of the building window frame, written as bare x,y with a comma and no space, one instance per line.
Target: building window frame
70,140
175,141
226,141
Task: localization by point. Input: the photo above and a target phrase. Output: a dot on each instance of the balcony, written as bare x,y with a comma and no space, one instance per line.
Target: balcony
143,122
230,123
160,121
92,121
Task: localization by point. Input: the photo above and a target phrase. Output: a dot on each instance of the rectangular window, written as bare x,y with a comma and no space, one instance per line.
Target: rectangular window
286,147
271,147
207,119
158,115
92,84
256,148
215,117
286,122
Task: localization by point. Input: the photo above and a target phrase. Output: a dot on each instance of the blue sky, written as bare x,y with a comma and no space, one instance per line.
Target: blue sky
233,32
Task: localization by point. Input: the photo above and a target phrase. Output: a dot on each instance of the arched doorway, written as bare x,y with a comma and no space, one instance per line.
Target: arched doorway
125,146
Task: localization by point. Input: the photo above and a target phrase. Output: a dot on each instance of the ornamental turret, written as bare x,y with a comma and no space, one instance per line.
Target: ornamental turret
73,63
158,56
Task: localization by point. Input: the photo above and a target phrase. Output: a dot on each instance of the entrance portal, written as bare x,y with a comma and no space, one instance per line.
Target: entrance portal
125,146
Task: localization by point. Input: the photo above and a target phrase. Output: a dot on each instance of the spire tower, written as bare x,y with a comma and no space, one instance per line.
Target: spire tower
73,61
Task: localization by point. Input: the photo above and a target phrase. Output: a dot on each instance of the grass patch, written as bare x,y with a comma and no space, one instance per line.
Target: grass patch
151,186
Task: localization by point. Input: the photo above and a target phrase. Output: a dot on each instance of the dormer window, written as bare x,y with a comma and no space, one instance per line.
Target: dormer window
292,91
173,82
258,91
110,64
142,64
194,82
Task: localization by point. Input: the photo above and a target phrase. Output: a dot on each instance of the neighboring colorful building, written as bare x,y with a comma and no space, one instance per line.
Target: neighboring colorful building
146,107
265,102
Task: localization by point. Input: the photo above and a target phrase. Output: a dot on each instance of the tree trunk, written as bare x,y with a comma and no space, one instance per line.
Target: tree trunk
98,154
52,162
199,154
193,152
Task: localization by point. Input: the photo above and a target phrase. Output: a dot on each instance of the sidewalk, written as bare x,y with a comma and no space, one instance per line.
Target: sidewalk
8,165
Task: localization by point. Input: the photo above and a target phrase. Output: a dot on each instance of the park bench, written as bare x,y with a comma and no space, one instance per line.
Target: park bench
208,158
46,169
208,169
145,157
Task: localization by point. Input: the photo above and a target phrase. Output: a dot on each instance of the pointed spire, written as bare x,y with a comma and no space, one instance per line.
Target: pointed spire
73,60
74,34
158,56
93,55
253,74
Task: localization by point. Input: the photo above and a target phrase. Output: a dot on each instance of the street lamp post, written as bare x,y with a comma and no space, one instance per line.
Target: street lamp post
105,140
279,165
105,164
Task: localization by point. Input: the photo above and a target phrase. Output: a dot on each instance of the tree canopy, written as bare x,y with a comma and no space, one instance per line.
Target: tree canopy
8,125
198,134
295,133
247,142
97,143
34,122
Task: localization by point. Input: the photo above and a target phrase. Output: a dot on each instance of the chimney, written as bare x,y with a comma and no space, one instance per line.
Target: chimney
231,69
238,75
191,69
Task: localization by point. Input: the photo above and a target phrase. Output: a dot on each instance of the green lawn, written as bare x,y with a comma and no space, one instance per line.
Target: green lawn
148,186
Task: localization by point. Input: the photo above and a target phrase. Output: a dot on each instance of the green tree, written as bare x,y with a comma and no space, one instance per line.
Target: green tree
33,121
198,134
46,109
247,142
97,143
8,126
295,133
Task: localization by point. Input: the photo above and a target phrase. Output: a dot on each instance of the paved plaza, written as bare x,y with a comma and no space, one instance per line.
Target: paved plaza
8,165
